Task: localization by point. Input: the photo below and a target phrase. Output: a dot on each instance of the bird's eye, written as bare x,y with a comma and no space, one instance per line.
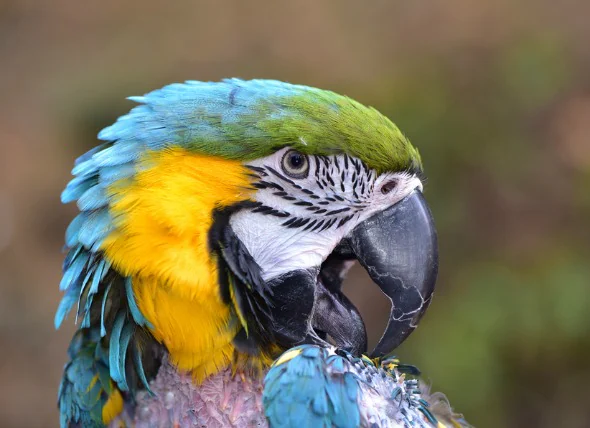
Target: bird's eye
295,164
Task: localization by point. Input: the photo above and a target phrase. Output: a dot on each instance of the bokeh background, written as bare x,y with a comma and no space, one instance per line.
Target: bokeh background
495,94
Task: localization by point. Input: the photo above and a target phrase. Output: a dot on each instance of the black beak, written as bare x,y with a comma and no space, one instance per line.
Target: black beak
398,248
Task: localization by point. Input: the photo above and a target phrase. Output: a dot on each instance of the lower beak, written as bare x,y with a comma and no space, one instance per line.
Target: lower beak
398,248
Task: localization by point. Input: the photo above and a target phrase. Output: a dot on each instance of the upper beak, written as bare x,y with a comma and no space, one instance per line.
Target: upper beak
398,248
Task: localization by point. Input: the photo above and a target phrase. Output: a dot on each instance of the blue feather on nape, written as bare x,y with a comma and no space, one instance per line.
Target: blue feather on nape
111,174
94,198
77,187
96,227
88,155
118,154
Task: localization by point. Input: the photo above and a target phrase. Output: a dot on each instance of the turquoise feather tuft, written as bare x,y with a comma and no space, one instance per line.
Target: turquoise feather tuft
307,391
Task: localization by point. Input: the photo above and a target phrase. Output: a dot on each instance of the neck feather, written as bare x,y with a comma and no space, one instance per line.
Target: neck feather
162,218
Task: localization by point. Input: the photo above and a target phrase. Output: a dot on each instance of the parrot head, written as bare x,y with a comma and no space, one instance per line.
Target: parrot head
236,208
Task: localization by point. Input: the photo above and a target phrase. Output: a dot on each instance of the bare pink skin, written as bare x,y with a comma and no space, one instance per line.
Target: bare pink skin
222,400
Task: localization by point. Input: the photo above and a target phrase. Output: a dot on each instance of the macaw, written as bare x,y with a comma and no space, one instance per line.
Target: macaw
217,222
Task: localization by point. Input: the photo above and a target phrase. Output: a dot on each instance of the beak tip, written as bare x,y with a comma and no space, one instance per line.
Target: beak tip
398,248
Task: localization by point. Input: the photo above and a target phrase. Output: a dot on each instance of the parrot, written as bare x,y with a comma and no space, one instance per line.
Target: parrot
217,222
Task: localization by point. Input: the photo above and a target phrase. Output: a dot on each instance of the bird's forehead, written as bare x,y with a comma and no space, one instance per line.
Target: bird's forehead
246,120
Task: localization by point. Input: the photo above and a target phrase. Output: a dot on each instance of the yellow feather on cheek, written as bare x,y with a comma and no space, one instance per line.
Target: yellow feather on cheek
162,218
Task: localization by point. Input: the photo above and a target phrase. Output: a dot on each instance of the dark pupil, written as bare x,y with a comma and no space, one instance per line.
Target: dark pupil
296,160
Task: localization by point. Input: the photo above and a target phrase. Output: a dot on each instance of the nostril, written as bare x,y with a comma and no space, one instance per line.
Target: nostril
388,186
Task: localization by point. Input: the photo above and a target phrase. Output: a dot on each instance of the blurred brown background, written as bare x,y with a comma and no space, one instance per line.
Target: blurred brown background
495,94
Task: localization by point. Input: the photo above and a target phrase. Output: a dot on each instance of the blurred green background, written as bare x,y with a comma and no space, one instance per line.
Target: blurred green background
495,94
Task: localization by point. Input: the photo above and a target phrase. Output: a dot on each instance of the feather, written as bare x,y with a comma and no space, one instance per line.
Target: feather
65,306
114,347
86,156
85,168
97,226
103,331
117,154
77,187
135,312
111,174
101,270
93,198
73,229
139,368
74,270
126,335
